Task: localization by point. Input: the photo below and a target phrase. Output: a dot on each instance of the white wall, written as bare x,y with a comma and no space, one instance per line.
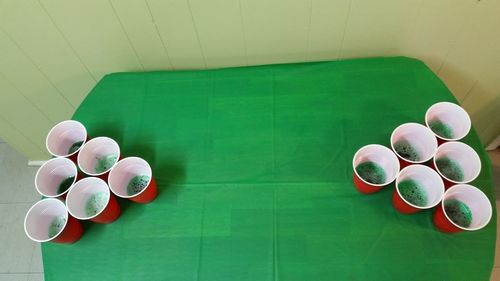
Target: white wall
54,51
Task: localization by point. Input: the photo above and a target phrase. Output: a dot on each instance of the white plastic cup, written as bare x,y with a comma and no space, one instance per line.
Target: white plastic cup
63,136
384,158
52,174
124,173
96,150
464,155
50,215
83,191
452,115
475,199
427,179
419,137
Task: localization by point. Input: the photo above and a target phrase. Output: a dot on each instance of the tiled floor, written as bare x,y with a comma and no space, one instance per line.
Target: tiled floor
20,259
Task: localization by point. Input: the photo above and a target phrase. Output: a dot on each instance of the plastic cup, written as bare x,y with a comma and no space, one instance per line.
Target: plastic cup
66,139
48,221
90,199
55,177
477,213
98,156
448,121
132,178
456,158
413,143
376,158
423,187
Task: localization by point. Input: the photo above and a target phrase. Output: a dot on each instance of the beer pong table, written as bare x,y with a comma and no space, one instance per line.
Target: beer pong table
254,170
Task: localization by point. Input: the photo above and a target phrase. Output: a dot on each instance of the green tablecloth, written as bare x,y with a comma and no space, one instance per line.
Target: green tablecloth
255,178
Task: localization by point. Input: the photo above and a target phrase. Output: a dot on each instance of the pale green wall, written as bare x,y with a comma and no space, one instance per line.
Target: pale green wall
52,52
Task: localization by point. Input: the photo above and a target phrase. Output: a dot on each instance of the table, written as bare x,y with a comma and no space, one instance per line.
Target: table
254,170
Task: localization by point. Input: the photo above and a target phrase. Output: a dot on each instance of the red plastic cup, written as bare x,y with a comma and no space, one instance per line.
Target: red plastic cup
98,156
420,138
133,171
384,158
453,116
427,179
462,154
48,221
63,137
53,174
90,199
477,202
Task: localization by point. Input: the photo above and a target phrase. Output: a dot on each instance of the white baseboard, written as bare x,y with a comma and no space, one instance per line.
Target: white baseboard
36,163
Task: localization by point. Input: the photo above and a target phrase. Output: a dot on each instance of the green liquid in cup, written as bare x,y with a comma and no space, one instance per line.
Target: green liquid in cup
371,172
56,225
458,212
96,203
105,163
74,147
137,184
406,150
65,184
450,169
441,129
413,192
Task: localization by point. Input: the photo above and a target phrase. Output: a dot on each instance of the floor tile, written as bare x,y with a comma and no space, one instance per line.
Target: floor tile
21,277
36,259
36,277
17,178
495,274
14,277
16,247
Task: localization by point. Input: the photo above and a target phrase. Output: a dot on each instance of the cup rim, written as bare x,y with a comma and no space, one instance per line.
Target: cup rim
78,160
138,193
481,194
46,163
450,180
407,160
34,206
73,188
453,104
373,184
413,205
54,127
